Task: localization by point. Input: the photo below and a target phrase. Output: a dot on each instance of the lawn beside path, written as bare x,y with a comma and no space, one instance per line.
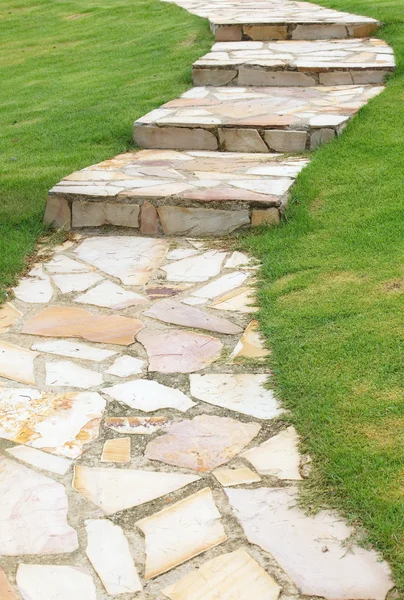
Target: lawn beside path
332,308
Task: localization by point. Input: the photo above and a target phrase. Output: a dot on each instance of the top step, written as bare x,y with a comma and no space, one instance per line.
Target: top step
263,20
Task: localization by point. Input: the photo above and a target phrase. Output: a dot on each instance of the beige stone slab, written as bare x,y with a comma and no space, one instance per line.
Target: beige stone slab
55,582
286,141
180,138
17,363
268,216
237,301
234,576
73,350
213,76
96,214
196,268
178,220
277,78
75,282
58,213
242,140
279,456
63,264
250,344
237,476
149,395
265,32
180,532
41,460
9,316
65,373
117,450
137,425
6,591
110,295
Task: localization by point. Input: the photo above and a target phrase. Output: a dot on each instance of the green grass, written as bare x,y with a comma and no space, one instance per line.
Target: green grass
332,308
75,75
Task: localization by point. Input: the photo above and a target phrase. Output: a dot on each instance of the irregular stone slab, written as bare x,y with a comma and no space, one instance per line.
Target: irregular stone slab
179,220
17,363
237,259
149,219
67,321
124,366
163,291
229,477
130,259
268,216
57,213
250,344
241,140
55,582
136,425
109,553
179,351
180,253
75,282
171,311
237,301
41,460
33,513
64,264
234,576
112,296
117,450
180,138
113,489
96,214
60,424
9,316
243,392
34,289
202,444
196,268
6,591
271,520
221,286
73,350
65,373
148,395
279,456
180,532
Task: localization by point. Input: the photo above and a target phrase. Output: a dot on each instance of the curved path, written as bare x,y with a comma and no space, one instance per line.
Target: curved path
142,451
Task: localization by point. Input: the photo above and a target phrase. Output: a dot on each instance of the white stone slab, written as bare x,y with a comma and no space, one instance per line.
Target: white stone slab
237,259
55,582
64,264
124,366
75,282
65,373
111,295
196,268
148,395
237,301
278,456
180,253
34,289
17,363
41,460
73,350
221,286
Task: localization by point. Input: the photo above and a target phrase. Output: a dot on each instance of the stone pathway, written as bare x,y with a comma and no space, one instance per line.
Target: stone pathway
143,450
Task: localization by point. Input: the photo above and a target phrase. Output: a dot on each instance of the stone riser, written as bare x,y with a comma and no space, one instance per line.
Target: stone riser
290,31
244,76
233,139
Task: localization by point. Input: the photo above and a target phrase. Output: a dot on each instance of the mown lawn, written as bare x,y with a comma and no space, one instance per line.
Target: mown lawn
74,76
332,307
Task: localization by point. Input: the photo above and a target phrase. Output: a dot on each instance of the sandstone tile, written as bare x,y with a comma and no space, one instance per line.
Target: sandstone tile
271,519
179,351
75,282
33,513
279,456
63,264
109,553
221,286
41,460
124,366
258,77
17,363
179,220
202,444
35,289
97,214
268,216
66,321
180,138
319,32
149,219
73,350
237,301
196,268
117,450
171,311
213,76
54,582
241,140
286,141
229,33
250,344
136,425
234,576
6,591
321,136
243,392
114,489
111,295
60,424
180,532
65,373
238,476
130,259
58,213
148,395
9,316
336,78
266,32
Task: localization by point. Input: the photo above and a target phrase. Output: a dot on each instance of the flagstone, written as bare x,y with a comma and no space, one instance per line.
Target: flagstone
237,259
163,291
67,321
221,286
202,444
180,253
250,344
34,289
148,395
234,576
114,489
33,513
111,295
196,268
55,582
17,363
63,264
241,392
124,366
180,532
61,424
239,300
109,553
179,351
279,456
75,282
73,350
9,316
311,549
116,450
41,460
6,591
237,476
137,425
130,259
171,311
65,373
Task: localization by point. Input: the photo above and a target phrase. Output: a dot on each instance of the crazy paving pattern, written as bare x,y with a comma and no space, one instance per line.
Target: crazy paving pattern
141,451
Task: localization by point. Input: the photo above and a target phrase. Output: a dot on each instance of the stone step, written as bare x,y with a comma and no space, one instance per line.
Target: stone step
295,63
162,192
254,119
232,21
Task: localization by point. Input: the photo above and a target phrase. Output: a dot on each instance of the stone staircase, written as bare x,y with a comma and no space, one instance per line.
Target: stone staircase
283,78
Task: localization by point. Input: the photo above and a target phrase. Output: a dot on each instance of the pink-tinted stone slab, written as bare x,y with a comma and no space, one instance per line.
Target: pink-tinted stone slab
202,444
9,315
177,313
179,351
137,425
6,591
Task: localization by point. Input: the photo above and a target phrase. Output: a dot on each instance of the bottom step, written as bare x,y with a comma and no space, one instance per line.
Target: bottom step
163,192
